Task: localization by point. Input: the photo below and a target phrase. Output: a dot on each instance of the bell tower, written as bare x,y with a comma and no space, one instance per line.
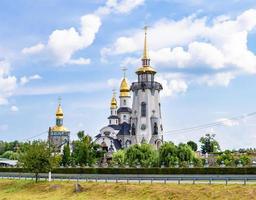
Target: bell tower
146,120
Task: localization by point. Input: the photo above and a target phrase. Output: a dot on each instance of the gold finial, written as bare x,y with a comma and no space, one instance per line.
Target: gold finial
145,52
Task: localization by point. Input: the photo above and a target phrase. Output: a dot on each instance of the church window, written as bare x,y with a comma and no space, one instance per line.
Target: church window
155,129
124,102
143,109
124,117
133,129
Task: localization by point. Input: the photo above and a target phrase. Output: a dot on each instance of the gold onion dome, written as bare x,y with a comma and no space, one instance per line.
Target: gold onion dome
146,68
59,128
59,112
113,102
124,88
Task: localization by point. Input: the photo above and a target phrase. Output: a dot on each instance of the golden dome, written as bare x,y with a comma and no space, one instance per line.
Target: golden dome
59,112
59,129
124,88
113,102
146,69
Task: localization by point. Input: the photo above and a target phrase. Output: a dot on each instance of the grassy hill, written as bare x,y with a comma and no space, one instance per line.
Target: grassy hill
27,190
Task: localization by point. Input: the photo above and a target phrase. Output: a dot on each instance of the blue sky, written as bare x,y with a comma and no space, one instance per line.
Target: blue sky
204,52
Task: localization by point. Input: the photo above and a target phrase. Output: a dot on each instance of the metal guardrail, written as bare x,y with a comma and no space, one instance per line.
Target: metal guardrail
243,179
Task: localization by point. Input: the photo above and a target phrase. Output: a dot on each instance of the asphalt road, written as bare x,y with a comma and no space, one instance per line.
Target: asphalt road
140,178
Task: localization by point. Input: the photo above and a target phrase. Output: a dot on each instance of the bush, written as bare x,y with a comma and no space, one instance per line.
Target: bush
210,170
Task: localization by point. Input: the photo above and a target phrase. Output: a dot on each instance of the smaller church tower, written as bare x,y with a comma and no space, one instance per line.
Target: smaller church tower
58,135
124,111
113,118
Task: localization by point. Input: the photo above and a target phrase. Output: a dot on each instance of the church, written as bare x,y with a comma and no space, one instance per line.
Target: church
139,121
58,135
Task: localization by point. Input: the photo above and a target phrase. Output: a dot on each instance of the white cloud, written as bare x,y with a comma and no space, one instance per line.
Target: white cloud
7,82
80,61
63,44
24,80
219,79
34,49
192,41
172,86
118,6
228,122
14,109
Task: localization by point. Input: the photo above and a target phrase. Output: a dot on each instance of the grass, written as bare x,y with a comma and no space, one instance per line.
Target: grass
28,190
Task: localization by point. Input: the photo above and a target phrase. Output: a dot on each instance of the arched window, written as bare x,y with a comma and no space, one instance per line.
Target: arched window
124,117
143,109
155,129
124,102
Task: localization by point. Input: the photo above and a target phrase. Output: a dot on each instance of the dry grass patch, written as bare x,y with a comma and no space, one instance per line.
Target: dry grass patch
28,190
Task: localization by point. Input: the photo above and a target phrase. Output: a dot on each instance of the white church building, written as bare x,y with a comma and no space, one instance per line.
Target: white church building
139,121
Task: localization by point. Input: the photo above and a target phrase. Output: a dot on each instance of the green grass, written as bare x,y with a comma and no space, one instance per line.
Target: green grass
28,190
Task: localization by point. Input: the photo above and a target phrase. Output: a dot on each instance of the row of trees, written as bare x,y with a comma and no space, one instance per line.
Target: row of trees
145,155
38,156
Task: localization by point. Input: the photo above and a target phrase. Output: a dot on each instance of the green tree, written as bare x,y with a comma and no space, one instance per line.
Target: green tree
244,159
66,157
168,154
38,158
209,144
86,151
143,154
119,157
185,153
193,145
227,158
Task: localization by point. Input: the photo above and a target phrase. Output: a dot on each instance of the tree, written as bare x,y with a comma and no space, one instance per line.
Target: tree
226,158
209,144
143,154
119,157
38,158
66,157
168,154
193,145
185,153
85,150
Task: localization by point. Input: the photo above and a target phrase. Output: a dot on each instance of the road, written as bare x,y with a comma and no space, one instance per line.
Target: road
140,178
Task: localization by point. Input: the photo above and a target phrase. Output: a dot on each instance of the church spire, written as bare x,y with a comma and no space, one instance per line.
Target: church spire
145,59
145,52
146,68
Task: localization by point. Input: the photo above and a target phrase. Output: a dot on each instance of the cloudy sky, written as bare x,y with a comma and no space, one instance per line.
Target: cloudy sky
204,52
